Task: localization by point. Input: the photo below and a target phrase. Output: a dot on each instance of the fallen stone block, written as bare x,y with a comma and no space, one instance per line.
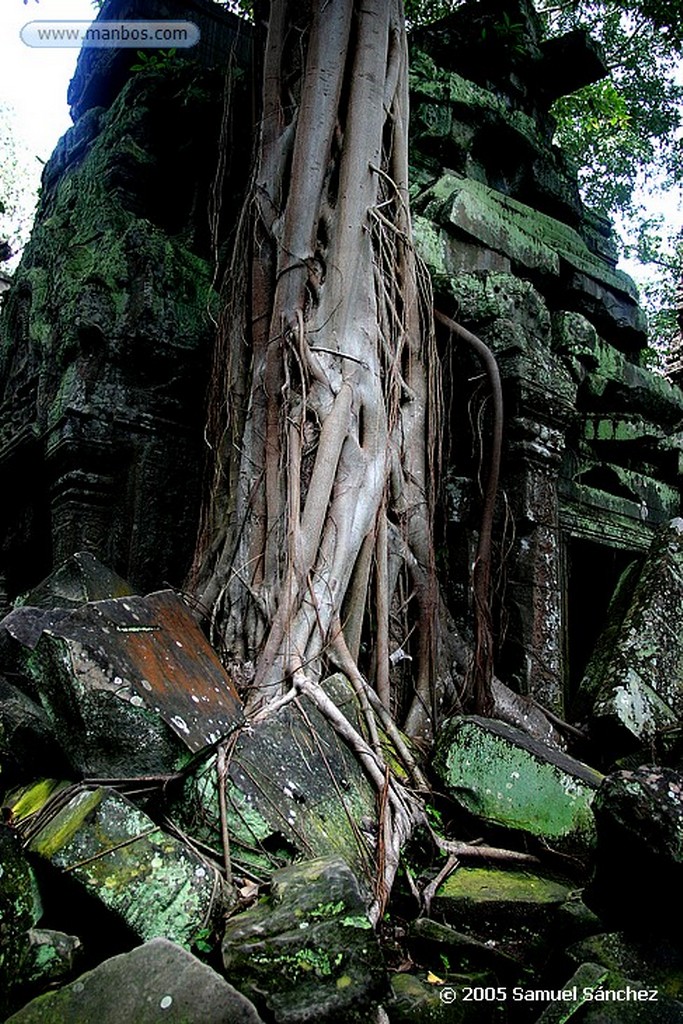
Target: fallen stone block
78,580
20,909
52,956
151,881
310,952
433,944
153,983
415,1000
124,680
516,912
638,878
28,745
563,1003
294,788
595,995
636,677
503,775
656,961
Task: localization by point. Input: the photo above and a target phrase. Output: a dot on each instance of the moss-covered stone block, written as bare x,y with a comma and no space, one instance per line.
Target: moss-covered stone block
309,952
20,909
564,1004
151,881
515,911
440,947
416,1000
638,683
478,211
499,773
596,995
294,789
619,384
52,956
533,240
652,959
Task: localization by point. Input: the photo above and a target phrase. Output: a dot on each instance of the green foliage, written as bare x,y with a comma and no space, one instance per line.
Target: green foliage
653,246
508,33
435,817
240,7
204,941
153,61
621,128
423,12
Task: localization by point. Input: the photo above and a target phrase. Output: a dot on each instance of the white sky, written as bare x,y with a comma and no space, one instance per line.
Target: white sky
34,81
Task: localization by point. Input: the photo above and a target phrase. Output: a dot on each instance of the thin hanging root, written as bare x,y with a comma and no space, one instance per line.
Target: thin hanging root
383,843
370,702
222,775
482,665
430,891
382,603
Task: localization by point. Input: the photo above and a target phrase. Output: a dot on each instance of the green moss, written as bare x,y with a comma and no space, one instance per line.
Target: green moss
309,947
60,830
484,885
507,783
357,921
529,238
327,909
461,97
149,879
30,799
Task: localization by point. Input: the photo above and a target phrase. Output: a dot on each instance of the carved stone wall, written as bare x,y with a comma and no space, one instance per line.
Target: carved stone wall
106,334
592,458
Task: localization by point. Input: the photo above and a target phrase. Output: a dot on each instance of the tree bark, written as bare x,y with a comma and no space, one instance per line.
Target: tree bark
329,387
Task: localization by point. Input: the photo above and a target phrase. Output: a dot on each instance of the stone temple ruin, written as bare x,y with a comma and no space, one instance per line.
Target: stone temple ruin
106,334
105,352
592,457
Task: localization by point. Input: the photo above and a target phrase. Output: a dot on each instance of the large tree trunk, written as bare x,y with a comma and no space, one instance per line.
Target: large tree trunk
317,542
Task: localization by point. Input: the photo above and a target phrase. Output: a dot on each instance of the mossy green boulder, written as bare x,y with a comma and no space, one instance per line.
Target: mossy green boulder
503,775
517,912
151,881
309,952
